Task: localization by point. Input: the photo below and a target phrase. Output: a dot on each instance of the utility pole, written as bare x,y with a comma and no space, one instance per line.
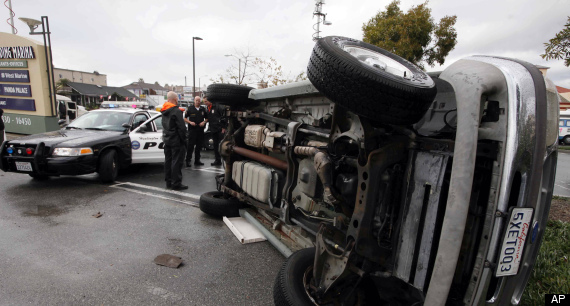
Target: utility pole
319,13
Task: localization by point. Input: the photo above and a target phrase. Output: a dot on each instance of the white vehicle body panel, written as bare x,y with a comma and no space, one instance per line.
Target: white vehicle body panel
146,143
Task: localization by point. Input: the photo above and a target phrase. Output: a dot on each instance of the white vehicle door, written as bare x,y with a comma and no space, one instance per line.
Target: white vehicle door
146,141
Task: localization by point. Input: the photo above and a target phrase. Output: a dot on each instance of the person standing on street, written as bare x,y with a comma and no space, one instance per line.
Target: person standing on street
216,119
196,118
174,136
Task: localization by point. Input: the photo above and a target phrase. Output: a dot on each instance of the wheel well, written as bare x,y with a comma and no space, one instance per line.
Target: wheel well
120,154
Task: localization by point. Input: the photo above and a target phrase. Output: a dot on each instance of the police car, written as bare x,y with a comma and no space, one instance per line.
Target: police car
101,141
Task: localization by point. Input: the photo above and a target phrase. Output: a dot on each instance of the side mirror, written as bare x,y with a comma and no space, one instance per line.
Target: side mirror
127,128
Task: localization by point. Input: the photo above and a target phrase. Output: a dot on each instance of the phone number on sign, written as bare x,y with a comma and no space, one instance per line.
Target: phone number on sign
20,121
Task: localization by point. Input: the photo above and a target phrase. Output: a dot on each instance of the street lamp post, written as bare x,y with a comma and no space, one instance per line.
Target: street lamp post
239,66
194,68
33,24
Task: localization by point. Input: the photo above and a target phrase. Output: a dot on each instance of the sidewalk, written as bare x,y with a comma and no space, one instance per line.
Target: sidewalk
12,136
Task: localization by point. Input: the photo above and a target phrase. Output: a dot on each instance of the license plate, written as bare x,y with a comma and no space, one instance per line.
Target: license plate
24,166
513,243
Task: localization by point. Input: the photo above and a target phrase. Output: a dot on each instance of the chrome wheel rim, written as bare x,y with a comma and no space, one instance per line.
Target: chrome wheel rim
379,61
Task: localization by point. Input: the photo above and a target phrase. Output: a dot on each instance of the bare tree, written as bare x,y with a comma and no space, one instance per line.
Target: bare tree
252,69
241,73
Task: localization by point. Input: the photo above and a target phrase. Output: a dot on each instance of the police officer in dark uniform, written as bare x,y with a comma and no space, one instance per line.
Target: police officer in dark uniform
217,126
196,118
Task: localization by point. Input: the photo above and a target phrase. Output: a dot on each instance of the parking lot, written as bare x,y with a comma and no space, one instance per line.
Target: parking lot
54,251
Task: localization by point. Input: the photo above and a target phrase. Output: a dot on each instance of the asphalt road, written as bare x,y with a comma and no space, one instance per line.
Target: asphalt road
53,251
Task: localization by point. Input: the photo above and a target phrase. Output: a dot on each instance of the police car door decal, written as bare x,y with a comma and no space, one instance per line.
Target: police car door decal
147,145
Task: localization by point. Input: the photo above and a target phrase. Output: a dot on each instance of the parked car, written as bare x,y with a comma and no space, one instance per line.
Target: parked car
100,141
395,186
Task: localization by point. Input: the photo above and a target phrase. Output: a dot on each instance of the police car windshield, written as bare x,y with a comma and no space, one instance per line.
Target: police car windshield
104,120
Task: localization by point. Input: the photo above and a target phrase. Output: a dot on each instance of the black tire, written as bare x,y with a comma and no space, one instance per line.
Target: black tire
368,90
208,141
218,204
108,166
39,177
230,94
566,140
288,289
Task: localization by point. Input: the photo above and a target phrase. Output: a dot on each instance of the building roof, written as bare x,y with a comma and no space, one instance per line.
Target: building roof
141,85
563,99
541,67
562,89
94,72
96,90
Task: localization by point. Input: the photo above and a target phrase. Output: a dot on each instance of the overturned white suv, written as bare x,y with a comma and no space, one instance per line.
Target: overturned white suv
394,186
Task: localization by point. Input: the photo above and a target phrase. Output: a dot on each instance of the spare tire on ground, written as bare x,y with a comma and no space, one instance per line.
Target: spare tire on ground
230,94
219,204
370,81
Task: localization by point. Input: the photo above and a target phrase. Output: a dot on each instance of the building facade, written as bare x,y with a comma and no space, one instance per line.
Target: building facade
94,78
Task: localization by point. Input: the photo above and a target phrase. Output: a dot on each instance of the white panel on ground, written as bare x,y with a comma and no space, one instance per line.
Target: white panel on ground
243,230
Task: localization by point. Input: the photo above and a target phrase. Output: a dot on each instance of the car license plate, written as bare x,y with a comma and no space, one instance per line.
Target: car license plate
513,243
24,166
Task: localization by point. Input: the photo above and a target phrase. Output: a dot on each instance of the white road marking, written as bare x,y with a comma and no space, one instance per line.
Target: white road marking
194,204
562,187
211,169
183,194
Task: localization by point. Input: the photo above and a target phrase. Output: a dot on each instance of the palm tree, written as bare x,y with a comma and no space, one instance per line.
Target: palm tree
59,85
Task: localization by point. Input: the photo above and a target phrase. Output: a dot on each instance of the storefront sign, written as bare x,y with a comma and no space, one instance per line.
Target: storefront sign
17,52
13,64
18,104
17,76
29,124
15,90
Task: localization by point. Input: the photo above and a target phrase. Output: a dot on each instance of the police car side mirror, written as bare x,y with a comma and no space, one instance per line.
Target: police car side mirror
127,127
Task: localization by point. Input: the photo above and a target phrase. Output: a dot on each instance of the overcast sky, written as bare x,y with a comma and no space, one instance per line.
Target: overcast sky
128,40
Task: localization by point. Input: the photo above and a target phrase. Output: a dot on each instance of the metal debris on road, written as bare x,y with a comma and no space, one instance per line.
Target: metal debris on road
168,260
97,215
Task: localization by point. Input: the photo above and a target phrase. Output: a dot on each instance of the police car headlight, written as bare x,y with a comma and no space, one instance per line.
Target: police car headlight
72,151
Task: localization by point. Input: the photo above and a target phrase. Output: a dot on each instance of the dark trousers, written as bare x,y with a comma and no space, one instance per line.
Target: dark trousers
216,137
195,143
173,162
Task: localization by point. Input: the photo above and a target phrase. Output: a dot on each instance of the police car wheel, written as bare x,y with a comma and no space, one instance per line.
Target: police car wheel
108,166
218,204
229,94
370,81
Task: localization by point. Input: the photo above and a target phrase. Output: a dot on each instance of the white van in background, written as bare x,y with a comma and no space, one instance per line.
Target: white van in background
68,110
564,128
